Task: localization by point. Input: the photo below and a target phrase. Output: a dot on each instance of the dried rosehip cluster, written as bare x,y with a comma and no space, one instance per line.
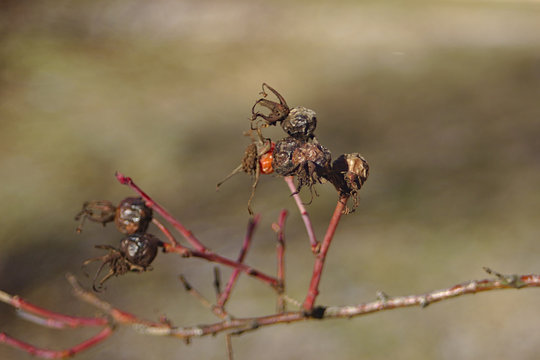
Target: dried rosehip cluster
299,154
137,250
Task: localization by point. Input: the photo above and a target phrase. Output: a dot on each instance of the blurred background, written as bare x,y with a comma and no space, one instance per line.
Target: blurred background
441,97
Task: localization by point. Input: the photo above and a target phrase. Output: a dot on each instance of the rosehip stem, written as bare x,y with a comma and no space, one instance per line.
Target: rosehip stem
280,250
315,245
321,256
188,235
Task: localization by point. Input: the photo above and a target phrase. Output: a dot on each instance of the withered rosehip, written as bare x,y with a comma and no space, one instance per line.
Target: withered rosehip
130,216
133,216
308,161
300,123
348,175
140,249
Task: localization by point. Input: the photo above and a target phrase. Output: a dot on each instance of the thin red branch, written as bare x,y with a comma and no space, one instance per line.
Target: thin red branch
216,310
51,318
56,354
188,235
313,290
166,232
224,296
280,250
315,245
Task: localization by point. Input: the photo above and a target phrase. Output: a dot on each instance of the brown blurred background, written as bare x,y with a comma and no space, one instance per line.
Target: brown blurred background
441,97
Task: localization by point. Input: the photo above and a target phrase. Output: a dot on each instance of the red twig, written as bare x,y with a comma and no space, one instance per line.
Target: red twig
280,249
51,319
321,256
188,235
166,232
56,354
315,245
224,296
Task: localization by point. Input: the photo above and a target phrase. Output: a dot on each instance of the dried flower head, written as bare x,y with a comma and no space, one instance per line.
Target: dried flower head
349,173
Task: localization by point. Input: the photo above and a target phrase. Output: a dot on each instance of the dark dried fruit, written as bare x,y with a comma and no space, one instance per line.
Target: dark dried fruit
308,161
133,216
140,249
136,253
300,123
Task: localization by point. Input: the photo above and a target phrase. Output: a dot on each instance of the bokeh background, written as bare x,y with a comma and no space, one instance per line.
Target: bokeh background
441,97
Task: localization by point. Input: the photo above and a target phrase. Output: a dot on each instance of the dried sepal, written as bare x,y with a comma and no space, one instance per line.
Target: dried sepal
257,159
101,211
278,111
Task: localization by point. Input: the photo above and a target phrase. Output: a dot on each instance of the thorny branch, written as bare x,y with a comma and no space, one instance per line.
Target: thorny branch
119,317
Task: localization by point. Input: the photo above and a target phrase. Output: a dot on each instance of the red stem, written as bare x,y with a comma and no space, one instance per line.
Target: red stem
188,235
56,354
252,224
52,319
315,245
280,248
321,257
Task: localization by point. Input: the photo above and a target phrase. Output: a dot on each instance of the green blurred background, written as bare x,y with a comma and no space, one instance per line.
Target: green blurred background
441,97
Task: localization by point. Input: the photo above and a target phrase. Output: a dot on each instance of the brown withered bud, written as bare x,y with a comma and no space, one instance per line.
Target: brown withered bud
136,253
278,111
101,211
309,162
300,123
133,216
349,173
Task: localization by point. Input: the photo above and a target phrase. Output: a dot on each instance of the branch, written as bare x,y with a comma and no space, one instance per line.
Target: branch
321,256
224,296
315,246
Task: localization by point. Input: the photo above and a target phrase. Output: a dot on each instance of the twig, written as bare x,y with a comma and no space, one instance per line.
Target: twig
315,245
252,224
56,354
51,319
216,310
280,250
321,256
167,233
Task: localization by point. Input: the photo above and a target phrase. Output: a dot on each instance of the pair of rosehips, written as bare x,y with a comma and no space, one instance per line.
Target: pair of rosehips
137,250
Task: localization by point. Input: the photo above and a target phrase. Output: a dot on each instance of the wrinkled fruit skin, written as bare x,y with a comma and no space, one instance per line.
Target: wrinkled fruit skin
133,216
300,123
283,154
309,162
140,249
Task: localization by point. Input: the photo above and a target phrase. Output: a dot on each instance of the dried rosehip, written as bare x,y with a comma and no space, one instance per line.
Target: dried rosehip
308,161
136,253
101,211
140,250
133,216
130,216
300,123
349,173
278,111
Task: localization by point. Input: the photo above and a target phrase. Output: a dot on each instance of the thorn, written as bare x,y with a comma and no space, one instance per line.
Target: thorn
382,296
